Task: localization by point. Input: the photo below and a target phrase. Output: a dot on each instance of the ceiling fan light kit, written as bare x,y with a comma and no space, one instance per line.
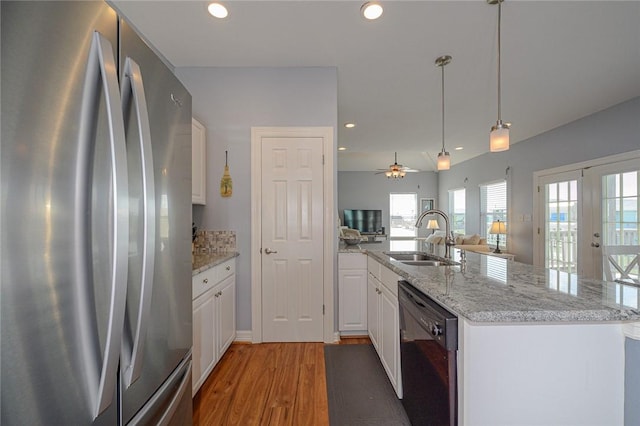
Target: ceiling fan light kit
444,159
499,136
396,171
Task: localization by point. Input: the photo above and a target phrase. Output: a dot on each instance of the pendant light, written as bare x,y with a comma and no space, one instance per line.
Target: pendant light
444,159
499,136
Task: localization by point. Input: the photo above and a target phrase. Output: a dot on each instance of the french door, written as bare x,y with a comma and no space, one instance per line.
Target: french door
614,219
588,220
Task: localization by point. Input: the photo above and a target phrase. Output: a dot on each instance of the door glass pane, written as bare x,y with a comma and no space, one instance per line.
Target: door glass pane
620,228
620,209
561,217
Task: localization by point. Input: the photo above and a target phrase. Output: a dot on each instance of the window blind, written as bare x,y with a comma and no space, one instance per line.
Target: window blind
493,207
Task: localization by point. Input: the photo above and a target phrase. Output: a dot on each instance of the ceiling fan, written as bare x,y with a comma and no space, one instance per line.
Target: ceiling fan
396,170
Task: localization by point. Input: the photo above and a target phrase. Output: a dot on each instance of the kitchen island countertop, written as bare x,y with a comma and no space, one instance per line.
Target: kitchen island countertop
488,289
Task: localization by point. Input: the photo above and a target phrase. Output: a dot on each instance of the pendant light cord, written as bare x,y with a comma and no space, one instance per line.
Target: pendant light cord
499,48
442,108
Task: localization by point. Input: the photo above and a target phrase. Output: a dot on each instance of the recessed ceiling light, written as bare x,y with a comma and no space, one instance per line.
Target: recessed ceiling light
217,10
459,148
342,148
349,125
371,10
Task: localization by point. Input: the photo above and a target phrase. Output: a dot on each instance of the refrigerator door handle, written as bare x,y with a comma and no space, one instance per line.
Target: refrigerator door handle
133,91
102,51
185,384
182,373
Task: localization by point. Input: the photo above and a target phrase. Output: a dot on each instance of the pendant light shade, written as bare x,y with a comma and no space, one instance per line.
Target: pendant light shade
499,136
444,159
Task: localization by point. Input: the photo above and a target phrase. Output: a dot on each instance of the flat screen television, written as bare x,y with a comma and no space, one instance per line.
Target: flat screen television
365,221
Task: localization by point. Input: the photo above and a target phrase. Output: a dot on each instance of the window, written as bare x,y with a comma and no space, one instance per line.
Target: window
493,199
457,210
402,212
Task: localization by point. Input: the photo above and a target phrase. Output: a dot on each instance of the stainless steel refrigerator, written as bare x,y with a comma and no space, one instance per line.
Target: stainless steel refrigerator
95,222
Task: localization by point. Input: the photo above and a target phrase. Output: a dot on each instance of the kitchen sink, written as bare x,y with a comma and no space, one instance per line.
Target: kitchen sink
410,256
423,262
419,259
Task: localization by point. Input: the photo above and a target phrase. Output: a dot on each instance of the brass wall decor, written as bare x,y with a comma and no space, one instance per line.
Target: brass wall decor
226,184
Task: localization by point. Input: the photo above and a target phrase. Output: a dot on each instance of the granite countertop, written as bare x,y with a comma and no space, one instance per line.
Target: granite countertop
202,262
489,289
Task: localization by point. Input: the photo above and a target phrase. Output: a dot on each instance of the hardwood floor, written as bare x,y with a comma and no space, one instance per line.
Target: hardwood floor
267,384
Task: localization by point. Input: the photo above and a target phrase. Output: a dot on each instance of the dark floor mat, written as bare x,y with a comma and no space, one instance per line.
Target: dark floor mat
358,389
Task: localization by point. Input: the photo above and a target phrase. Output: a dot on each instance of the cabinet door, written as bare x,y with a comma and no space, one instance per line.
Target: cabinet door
226,315
390,337
203,338
352,299
373,300
198,163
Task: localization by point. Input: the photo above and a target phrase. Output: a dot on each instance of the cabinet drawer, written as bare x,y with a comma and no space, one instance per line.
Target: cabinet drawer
390,280
203,281
373,266
352,261
225,269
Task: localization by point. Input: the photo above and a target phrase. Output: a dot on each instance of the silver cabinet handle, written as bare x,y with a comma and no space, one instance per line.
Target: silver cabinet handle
228,268
133,92
269,251
595,245
104,68
206,280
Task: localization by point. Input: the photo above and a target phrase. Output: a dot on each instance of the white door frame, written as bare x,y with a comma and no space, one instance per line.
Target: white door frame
538,209
329,218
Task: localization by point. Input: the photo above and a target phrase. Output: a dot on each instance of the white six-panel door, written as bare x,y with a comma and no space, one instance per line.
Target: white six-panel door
292,239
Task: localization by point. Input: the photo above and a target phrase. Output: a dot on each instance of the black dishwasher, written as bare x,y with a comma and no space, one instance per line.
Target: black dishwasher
428,354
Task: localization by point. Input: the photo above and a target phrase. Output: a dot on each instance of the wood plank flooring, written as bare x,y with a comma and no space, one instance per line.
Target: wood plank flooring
267,384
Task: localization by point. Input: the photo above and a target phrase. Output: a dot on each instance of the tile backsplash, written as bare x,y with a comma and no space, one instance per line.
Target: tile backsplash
209,242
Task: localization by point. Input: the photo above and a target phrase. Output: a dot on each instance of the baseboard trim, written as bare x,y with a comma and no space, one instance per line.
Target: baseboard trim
244,336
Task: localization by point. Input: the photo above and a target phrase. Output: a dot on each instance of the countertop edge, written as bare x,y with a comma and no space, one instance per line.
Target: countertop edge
202,262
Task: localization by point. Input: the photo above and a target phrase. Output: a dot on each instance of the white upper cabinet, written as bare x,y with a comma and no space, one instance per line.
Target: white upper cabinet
198,163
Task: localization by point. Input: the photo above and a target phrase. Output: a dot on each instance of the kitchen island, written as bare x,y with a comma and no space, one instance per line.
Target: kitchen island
536,346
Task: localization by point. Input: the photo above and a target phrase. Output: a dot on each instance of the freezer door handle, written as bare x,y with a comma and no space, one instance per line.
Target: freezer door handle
149,411
133,91
102,61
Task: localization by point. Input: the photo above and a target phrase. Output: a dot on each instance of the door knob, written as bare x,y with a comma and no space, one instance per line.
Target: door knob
269,251
595,245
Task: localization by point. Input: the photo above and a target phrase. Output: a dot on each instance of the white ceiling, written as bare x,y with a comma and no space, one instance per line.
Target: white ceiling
561,60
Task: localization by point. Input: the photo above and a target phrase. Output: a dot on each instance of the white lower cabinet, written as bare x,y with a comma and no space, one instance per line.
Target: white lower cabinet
203,338
383,320
214,318
352,293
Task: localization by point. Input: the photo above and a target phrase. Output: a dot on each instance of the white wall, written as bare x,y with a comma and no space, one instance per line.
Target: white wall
366,190
612,131
229,101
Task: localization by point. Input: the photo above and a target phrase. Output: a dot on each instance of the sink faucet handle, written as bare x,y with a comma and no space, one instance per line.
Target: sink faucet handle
450,240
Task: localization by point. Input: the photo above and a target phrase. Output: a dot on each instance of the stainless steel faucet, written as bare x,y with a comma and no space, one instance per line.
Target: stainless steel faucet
448,240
